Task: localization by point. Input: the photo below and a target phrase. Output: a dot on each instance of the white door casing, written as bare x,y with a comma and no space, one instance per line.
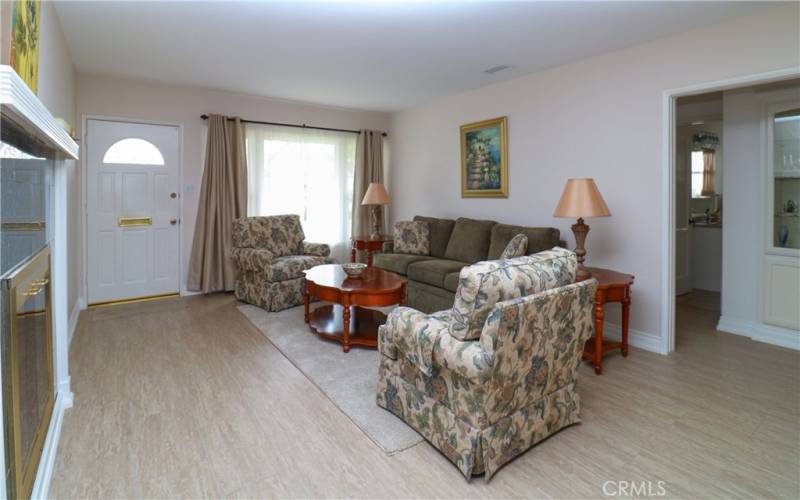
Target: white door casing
132,173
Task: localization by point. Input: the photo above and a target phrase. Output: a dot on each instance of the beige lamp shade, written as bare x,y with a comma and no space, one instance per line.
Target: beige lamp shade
581,198
376,195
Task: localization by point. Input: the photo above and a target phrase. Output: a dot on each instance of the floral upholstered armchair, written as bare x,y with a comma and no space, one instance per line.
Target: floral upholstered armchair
497,373
270,255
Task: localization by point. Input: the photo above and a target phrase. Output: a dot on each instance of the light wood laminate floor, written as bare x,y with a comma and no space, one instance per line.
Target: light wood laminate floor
184,398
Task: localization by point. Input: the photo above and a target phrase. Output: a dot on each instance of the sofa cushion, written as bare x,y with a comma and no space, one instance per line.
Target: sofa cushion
516,247
433,271
440,230
481,286
396,262
280,234
470,240
451,281
539,238
412,237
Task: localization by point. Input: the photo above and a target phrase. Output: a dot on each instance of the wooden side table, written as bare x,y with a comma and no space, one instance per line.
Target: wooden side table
368,244
612,287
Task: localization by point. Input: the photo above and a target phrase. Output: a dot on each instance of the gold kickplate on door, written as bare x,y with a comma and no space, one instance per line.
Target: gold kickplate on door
135,221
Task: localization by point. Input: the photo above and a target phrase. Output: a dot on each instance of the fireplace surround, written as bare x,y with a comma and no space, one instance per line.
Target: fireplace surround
35,152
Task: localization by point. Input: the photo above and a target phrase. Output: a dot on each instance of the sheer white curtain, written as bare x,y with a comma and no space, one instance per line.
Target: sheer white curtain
306,172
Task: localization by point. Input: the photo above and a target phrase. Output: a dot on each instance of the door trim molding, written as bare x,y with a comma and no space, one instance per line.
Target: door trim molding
84,284
668,167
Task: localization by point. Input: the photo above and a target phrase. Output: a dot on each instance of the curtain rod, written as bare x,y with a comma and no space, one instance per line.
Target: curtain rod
384,134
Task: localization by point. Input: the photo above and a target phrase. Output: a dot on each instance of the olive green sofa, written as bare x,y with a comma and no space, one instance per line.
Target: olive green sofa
433,279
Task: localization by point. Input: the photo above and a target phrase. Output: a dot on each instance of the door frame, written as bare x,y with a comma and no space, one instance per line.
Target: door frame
85,206
668,202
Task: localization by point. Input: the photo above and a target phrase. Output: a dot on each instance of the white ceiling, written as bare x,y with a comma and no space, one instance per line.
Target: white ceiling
369,54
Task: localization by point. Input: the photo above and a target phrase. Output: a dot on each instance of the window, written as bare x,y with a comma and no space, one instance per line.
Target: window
306,172
697,173
133,151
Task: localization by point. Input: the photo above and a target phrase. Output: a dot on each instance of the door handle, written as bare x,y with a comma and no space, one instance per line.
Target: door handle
173,221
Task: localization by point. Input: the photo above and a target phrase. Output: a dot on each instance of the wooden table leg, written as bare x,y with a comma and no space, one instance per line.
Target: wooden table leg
345,327
369,258
404,295
599,314
306,301
626,314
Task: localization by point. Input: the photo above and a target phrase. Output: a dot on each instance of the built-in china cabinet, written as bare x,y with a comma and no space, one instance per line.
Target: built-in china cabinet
781,265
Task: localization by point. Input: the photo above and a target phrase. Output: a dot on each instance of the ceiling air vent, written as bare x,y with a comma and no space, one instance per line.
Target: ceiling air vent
497,69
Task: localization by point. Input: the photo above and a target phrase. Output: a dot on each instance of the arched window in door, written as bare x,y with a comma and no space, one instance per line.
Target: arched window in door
133,151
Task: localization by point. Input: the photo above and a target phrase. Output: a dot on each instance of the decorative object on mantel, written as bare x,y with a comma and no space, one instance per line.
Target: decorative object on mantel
484,159
376,196
580,199
24,56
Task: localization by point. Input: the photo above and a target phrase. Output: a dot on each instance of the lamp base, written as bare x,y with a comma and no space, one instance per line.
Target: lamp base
580,230
376,222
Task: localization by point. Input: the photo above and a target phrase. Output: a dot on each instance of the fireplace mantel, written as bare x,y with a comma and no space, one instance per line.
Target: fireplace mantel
21,105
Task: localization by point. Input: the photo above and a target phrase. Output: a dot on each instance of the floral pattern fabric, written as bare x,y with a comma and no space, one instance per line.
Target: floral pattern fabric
484,284
280,234
483,402
252,259
516,247
412,237
270,257
318,249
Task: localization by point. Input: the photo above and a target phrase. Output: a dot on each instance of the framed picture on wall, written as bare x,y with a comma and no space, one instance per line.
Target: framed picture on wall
24,55
484,159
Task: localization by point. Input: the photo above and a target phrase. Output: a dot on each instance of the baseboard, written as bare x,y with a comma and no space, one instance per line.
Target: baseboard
636,338
760,332
73,319
41,486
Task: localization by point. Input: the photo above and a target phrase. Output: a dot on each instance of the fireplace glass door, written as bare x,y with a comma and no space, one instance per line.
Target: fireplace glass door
26,231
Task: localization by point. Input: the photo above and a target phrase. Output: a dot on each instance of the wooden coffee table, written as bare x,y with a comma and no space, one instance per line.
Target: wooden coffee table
346,321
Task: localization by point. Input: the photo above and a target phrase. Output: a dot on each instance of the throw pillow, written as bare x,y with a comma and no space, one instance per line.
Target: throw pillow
516,247
412,237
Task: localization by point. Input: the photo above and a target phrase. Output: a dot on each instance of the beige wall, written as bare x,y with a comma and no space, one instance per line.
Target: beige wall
57,81
179,105
600,118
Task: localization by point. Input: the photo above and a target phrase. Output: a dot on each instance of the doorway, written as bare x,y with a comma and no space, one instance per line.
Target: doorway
720,253
132,210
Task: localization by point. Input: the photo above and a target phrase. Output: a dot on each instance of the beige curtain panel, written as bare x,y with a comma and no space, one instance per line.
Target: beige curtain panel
369,168
709,169
223,198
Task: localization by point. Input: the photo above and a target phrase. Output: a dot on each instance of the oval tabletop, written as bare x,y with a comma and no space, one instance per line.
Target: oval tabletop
371,280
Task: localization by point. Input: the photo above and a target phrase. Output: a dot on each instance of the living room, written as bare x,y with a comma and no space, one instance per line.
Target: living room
204,345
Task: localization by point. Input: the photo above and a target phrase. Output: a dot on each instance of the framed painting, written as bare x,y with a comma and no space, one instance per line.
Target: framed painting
24,57
484,159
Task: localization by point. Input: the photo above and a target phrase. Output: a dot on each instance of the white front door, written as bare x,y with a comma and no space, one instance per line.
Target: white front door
132,210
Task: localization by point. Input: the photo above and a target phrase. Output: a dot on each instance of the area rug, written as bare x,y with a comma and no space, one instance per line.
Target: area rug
349,380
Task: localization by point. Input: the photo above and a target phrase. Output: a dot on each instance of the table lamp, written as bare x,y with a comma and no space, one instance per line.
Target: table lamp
580,199
376,196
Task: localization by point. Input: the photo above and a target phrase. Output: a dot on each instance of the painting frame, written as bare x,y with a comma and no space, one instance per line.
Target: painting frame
495,161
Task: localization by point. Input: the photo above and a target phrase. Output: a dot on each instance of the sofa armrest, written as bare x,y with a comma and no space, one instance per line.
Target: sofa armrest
251,259
318,249
412,334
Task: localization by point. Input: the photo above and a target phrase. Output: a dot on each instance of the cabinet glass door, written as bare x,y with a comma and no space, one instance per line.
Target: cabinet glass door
786,173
